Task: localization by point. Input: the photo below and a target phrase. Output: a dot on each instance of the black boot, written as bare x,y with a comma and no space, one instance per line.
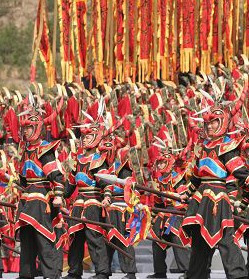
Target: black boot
157,275
129,276
71,276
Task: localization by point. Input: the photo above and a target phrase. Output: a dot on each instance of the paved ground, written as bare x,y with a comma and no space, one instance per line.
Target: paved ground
216,275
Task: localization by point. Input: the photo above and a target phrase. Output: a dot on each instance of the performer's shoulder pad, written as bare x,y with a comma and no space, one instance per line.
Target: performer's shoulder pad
177,177
97,160
45,146
229,144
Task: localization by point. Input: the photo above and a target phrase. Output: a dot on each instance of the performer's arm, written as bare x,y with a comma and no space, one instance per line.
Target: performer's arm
52,172
236,167
195,181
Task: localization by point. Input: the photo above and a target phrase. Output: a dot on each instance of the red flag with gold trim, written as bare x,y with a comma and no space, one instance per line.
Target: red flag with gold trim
188,29
44,46
66,39
145,38
205,34
80,8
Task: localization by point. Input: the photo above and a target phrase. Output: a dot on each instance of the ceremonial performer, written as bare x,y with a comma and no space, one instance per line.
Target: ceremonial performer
118,162
166,226
88,203
42,183
209,218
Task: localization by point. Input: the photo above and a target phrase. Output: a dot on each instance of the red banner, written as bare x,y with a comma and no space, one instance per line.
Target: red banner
44,47
66,34
206,9
103,10
146,29
163,12
215,27
188,23
120,31
132,35
81,34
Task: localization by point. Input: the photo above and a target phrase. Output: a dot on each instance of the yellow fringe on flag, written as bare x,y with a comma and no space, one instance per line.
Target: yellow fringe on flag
187,59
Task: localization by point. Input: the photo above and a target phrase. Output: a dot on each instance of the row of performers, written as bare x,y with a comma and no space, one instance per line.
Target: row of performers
209,186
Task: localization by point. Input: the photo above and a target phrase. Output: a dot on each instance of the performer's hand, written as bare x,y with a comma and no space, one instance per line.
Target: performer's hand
106,202
140,206
57,202
183,198
238,209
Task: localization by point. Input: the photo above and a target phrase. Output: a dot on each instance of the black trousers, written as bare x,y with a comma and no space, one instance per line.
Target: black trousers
34,244
97,250
232,259
58,261
182,256
127,265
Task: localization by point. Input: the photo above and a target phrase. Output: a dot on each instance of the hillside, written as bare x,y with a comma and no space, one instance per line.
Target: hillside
16,34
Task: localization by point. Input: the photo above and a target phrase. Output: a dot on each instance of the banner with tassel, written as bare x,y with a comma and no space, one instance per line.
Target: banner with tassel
98,43
140,40
206,15
45,47
188,23
66,39
119,45
80,34
38,30
227,29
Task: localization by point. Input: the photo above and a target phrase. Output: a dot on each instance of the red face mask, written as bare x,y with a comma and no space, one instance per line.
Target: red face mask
33,121
221,116
164,163
97,131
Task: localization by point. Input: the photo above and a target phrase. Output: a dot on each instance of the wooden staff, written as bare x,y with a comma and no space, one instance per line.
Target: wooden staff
162,194
118,249
86,221
244,248
166,242
171,211
178,212
7,204
10,248
8,237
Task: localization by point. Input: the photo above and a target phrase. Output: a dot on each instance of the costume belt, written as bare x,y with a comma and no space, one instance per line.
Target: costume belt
214,181
37,180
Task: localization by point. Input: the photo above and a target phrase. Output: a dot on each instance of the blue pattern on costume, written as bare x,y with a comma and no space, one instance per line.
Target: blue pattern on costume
213,166
174,174
44,143
118,190
81,176
96,156
30,165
